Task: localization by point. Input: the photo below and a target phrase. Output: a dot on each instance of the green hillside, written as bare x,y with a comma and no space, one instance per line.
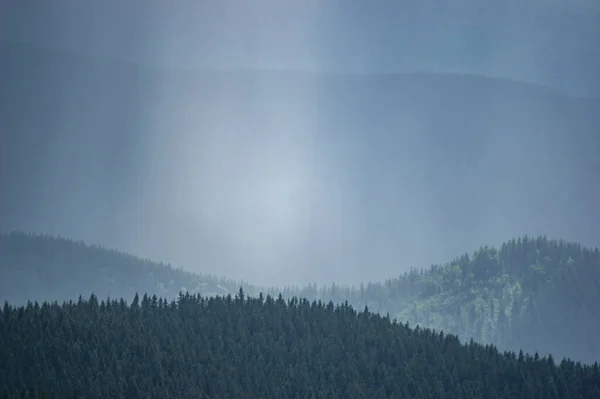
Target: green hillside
531,294
258,348
538,295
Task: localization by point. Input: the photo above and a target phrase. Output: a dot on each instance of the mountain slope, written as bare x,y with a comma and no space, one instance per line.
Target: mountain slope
259,347
531,294
45,268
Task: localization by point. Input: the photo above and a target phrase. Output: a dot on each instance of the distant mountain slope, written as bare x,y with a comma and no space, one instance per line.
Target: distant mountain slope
124,155
258,348
44,268
531,294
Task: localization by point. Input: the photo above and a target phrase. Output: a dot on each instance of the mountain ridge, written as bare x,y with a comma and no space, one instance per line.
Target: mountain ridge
540,41
508,296
13,48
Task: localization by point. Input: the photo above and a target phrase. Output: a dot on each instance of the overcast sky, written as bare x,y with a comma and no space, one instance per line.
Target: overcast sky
550,42
282,179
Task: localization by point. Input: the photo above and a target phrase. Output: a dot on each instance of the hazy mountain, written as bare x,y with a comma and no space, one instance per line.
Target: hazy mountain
296,144
531,294
289,177
44,268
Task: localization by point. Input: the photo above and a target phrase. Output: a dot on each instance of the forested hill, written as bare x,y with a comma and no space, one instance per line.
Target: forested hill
531,294
45,268
258,348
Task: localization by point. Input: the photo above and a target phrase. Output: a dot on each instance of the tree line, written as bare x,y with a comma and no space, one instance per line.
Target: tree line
270,347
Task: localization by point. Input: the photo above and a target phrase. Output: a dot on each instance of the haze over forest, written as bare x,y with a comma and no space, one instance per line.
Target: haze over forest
316,147
300,199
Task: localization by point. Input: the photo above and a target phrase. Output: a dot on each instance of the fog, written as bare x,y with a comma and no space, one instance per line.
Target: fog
292,144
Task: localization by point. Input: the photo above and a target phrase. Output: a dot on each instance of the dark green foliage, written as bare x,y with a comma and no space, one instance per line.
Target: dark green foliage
240,346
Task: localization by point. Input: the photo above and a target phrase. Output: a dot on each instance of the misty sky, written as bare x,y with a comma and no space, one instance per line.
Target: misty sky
289,178
545,41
